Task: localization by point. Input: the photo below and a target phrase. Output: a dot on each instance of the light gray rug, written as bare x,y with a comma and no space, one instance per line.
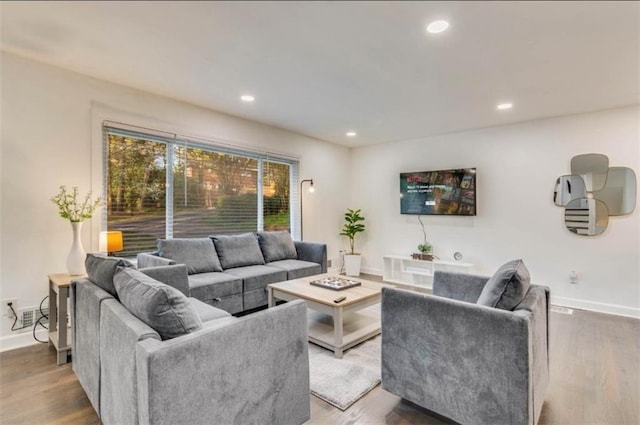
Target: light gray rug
342,382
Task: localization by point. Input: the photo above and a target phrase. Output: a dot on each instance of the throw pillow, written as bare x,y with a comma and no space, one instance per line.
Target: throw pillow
101,269
198,254
238,250
507,287
165,309
277,246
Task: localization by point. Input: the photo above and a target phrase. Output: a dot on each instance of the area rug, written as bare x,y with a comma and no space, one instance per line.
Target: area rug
342,382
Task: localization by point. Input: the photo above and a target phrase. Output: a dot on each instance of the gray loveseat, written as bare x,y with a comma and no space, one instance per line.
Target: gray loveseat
232,272
475,364
145,353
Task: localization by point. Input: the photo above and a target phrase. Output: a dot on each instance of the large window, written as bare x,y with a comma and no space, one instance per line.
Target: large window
164,187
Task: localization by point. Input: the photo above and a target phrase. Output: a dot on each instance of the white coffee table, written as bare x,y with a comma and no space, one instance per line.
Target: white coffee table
335,326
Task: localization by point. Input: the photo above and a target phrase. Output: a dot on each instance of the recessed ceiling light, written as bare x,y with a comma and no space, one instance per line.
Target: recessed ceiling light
351,134
247,98
503,106
436,27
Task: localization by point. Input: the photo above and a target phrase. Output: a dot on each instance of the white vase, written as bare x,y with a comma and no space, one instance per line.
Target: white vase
352,264
76,257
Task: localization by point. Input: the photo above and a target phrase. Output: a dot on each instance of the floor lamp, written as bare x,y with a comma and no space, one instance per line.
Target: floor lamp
311,190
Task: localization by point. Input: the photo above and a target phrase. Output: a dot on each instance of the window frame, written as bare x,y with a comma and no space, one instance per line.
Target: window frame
176,140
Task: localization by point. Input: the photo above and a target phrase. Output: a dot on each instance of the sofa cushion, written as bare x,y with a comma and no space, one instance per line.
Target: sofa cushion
277,246
198,254
207,312
206,286
165,309
258,277
101,269
507,287
238,250
297,268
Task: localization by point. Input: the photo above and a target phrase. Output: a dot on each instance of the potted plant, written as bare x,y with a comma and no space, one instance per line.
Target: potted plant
351,228
426,252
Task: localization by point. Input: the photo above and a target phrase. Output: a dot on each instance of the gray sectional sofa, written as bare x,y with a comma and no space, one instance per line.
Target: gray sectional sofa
145,353
231,272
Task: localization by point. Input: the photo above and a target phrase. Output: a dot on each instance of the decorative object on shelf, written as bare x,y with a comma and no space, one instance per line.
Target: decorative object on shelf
311,190
425,252
351,228
593,192
70,208
111,242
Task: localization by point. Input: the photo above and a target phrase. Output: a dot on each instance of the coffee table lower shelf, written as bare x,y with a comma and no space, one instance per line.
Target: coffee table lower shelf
357,327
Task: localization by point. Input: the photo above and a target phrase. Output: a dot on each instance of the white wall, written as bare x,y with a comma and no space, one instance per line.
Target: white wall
50,134
51,137
517,166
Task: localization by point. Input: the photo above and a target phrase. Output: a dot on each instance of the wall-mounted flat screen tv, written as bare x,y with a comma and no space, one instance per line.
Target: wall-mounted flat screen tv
443,192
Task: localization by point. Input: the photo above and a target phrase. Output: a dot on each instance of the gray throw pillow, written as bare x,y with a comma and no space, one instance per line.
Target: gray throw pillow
101,269
277,246
507,287
165,309
198,254
238,250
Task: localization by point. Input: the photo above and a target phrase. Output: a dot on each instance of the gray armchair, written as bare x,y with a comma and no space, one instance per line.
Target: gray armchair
470,363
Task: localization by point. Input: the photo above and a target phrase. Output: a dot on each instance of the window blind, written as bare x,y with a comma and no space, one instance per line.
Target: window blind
163,186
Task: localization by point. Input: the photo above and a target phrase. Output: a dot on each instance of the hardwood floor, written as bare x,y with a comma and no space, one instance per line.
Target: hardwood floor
595,379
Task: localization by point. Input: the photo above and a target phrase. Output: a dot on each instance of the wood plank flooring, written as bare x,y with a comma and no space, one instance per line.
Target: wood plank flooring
595,380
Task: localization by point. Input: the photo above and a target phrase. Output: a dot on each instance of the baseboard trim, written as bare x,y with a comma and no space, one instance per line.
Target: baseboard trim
617,310
11,342
370,270
614,309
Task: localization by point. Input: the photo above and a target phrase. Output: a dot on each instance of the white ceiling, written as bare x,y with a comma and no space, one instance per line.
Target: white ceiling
323,68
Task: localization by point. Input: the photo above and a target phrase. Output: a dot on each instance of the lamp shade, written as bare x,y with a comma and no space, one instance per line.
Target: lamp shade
111,241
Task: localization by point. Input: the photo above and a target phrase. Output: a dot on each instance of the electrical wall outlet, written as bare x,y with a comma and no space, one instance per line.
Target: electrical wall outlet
573,276
6,311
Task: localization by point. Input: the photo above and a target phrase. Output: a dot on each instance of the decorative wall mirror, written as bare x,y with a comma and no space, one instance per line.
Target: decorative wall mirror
592,167
593,192
586,216
567,189
619,192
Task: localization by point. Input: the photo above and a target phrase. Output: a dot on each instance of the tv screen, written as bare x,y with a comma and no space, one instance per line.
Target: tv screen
443,192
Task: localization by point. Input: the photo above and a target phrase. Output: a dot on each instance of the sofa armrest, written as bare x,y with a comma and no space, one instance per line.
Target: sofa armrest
467,362
120,330
175,275
87,300
313,252
146,259
458,286
251,370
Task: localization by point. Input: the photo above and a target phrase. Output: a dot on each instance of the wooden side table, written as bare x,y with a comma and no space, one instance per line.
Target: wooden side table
58,297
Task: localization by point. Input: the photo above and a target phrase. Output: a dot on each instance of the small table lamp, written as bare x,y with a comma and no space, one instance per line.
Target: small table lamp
111,242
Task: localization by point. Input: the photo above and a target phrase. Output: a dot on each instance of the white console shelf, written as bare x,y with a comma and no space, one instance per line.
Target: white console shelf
404,270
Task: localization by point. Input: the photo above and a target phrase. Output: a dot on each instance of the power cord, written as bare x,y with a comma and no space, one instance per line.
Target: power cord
15,319
40,321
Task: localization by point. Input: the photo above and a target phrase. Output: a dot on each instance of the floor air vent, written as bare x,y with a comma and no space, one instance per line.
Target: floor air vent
29,316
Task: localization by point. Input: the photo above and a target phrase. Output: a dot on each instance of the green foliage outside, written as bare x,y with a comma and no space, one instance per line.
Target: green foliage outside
212,192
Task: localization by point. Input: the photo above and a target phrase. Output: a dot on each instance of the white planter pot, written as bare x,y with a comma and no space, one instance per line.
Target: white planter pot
352,264
76,257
